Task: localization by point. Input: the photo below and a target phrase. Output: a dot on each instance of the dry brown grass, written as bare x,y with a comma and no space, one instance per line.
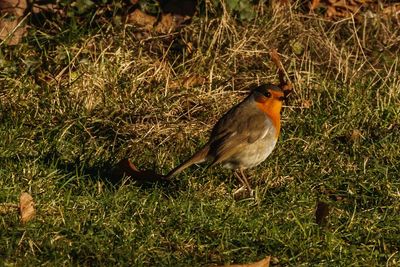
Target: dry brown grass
70,106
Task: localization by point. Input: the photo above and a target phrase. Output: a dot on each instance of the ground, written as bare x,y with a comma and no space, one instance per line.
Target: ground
78,99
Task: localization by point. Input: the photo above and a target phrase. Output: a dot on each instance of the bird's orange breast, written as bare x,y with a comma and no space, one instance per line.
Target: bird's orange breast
272,108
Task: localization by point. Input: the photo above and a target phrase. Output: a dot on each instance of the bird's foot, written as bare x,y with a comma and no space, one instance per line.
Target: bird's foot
243,192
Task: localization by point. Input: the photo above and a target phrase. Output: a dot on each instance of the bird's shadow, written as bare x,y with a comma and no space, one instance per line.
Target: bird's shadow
113,173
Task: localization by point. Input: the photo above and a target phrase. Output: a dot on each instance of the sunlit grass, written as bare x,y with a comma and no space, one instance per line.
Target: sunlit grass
73,107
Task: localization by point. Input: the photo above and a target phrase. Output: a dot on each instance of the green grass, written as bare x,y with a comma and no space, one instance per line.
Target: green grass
76,102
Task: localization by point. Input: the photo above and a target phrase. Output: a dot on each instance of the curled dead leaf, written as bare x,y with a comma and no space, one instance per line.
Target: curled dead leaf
126,169
26,207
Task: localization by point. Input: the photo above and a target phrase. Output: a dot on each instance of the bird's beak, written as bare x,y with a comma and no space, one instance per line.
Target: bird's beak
282,98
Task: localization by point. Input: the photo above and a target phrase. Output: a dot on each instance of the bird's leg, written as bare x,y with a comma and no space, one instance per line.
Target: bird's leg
243,180
246,182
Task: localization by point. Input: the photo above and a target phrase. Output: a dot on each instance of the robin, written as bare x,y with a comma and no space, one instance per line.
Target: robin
246,135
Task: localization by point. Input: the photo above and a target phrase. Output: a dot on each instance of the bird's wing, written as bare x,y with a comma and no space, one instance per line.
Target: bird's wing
241,126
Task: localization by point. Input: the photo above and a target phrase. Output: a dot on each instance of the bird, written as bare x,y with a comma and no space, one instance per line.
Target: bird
245,135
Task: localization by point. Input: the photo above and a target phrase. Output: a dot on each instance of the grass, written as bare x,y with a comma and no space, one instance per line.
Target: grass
76,100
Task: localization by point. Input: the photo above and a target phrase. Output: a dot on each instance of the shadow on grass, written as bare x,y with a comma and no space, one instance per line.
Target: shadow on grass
113,174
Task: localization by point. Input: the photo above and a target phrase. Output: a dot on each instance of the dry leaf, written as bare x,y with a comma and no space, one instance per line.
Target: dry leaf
50,8
141,19
262,263
125,168
167,24
11,32
348,8
321,213
13,7
392,10
314,4
27,207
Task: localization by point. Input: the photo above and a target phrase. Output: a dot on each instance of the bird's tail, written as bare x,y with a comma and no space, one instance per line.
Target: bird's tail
198,157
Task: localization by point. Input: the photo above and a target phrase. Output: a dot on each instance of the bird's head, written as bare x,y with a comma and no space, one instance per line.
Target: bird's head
269,95
269,98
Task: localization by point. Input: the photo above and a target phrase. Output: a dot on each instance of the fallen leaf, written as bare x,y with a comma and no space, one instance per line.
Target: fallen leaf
262,263
392,10
125,168
13,7
26,207
141,19
314,4
11,31
49,8
167,24
321,213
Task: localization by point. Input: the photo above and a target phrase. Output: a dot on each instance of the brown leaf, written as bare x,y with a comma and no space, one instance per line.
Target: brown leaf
262,263
141,19
13,7
50,8
314,4
125,168
26,207
167,24
321,213
331,12
11,32
392,10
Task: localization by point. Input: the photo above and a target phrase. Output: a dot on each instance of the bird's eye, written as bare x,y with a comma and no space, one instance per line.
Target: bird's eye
267,94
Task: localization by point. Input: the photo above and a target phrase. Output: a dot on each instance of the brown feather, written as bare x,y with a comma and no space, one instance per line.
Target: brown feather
198,157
